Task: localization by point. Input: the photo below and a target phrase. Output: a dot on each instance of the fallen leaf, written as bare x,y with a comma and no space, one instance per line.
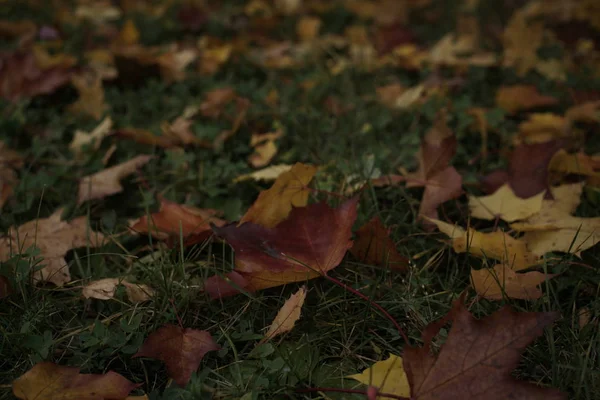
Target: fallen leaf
91,95
266,174
54,238
307,28
174,220
496,245
460,50
522,97
501,281
388,376
49,381
565,163
105,289
287,316
181,349
374,246
144,136
543,127
93,138
107,182
264,148
586,112
523,36
180,132
310,242
129,34
478,357
215,101
10,161
289,190
504,204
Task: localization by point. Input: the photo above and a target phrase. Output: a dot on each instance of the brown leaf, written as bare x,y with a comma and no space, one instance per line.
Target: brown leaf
478,357
311,242
501,281
289,190
91,95
54,238
264,148
374,246
522,97
287,316
144,136
173,220
181,349
104,289
49,381
107,182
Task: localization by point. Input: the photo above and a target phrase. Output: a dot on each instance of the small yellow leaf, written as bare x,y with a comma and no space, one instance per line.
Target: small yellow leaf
287,316
91,95
104,289
95,137
266,174
388,376
505,204
500,281
573,163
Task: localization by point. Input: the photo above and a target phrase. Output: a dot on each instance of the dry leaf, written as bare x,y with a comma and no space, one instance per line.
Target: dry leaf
501,281
289,190
105,289
374,246
181,349
93,138
91,95
504,204
388,376
54,238
107,182
287,316
523,36
522,97
264,148
478,357
266,174
543,127
574,163
49,381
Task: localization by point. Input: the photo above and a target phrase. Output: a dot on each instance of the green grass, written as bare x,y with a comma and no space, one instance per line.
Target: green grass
338,334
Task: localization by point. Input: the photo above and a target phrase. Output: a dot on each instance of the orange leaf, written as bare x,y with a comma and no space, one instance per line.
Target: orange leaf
49,381
478,357
287,316
374,246
181,349
502,281
522,97
311,242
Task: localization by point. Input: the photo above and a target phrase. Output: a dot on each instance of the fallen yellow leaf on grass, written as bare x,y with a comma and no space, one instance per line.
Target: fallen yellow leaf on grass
93,138
543,127
266,174
287,316
91,95
501,281
107,182
289,190
264,148
522,97
574,163
505,204
494,245
104,289
387,375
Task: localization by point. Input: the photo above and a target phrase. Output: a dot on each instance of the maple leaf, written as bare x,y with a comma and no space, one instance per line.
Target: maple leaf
522,97
373,245
10,160
181,349
173,220
287,316
106,182
565,163
519,53
388,376
49,381
310,242
500,281
496,245
289,190
104,289
54,238
504,204
527,172
543,127
477,358
442,182
93,138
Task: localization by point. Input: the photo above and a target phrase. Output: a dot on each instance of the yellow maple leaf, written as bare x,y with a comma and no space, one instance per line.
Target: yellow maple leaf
387,375
287,316
289,190
500,281
505,204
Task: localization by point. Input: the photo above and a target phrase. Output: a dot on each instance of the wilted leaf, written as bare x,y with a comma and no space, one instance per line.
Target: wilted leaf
49,381
287,316
104,289
478,357
289,190
310,242
266,174
181,349
501,281
504,204
175,220
93,138
388,376
374,246
522,97
496,245
54,238
107,182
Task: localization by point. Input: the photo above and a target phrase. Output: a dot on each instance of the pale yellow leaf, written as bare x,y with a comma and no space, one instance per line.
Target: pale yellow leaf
505,204
266,174
387,375
104,289
287,316
93,138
